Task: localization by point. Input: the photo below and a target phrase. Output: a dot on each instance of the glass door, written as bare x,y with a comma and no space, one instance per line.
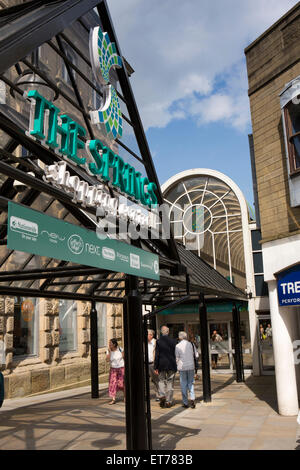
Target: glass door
220,346
265,342
193,332
175,328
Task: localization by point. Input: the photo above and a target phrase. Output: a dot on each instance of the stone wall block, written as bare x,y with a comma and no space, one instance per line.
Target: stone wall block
118,332
101,367
2,306
45,354
49,307
86,309
9,341
47,339
74,373
9,306
19,385
2,324
56,323
111,322
10,324
57,377
9,359
83,350
85,336
118,322
40,380
82,323
55,356
46,325
55,338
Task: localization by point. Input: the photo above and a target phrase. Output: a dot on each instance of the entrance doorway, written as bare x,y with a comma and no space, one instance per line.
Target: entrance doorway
220,345
265,342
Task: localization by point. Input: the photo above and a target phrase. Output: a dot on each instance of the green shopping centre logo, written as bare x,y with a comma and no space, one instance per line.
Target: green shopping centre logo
104,57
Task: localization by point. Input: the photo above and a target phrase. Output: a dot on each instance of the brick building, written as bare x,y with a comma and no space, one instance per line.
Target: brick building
273,64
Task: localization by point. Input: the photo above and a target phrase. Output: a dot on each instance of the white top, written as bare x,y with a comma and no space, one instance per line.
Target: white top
185,356
116,358
151,349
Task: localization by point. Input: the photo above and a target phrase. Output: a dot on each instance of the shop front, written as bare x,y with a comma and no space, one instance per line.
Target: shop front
219,320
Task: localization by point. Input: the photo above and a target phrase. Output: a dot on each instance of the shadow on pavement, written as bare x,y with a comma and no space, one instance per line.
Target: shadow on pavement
264,388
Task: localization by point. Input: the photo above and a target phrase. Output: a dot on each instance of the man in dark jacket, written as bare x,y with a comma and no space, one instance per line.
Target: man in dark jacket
165,367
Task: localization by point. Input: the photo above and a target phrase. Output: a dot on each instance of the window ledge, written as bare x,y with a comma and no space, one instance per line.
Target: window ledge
69,355
295,173
26,361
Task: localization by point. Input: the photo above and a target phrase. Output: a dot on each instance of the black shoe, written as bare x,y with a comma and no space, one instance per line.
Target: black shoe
193,404
168,404
185,406
162,402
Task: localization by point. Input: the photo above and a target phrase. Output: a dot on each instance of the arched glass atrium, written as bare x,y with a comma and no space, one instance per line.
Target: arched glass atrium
209,215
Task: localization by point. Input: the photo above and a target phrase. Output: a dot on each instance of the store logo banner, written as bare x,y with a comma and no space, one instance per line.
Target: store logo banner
288,287
104,57
75,244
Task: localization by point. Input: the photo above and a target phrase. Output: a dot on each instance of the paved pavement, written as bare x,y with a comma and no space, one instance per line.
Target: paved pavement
241,416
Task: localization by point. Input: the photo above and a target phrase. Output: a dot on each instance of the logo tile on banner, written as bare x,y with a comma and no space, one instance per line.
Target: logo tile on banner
104,57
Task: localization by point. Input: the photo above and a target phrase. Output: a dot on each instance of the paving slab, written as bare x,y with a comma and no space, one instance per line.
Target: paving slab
240,416
235,443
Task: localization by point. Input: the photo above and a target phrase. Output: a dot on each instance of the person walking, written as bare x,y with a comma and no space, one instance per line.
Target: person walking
151,355
216,338
165,367
115,356
186,356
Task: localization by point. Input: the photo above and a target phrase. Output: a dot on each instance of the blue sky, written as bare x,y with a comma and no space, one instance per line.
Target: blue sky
190,79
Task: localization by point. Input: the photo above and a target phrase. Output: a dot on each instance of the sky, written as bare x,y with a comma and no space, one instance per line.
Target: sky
190,80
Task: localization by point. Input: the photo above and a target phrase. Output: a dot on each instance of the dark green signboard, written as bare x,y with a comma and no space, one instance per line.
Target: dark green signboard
33,232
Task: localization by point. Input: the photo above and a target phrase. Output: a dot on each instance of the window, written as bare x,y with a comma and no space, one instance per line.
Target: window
25,342
67,325
292,126
72,58
261,287
101,314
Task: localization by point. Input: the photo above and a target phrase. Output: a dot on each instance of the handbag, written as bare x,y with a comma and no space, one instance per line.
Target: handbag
196,361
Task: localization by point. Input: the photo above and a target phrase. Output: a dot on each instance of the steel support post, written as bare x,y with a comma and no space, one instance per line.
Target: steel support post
136,419
126,377
147,384
204,350
94,351
237,345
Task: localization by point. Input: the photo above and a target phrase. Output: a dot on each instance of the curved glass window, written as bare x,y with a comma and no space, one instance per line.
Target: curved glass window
206,217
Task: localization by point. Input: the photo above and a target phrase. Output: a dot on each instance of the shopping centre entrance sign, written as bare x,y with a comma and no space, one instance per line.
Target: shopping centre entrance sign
34,232
288,287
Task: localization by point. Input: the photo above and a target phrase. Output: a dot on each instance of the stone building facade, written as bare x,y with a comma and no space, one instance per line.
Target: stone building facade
273,64
49,369
48,366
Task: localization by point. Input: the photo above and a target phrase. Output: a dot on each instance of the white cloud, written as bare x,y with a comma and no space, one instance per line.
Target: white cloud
188,55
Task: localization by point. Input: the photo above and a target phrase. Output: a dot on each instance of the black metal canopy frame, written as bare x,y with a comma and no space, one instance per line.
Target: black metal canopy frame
183,275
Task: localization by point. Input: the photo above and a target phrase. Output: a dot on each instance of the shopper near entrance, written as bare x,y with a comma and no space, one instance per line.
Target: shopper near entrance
165,367
186,356
151,356
216,338
115,355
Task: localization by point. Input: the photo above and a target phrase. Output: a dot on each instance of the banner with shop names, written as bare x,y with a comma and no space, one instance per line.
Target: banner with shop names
37,233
